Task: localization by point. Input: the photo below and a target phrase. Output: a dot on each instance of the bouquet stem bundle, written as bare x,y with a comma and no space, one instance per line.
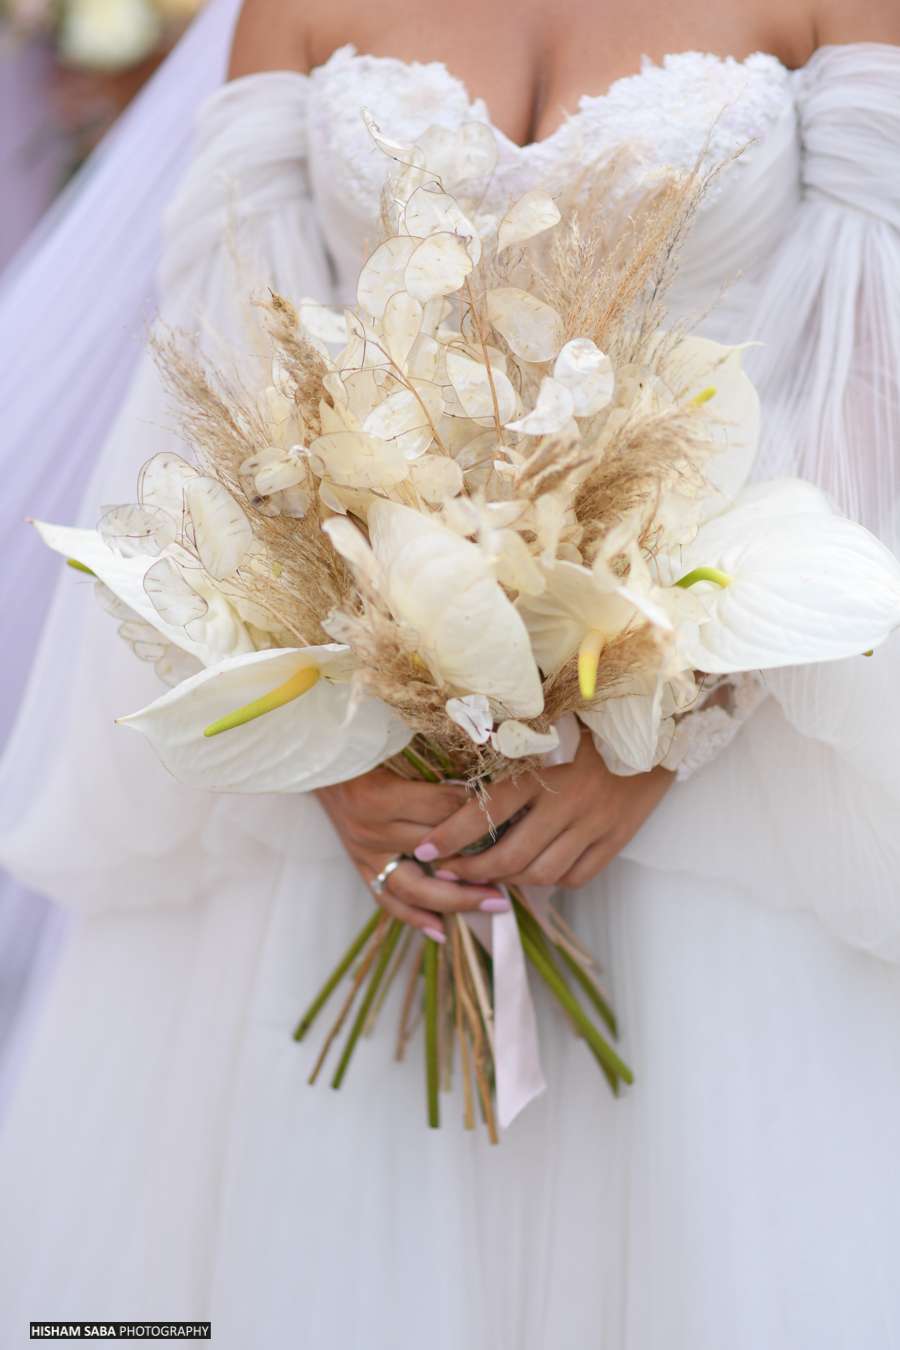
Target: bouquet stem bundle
453,988
496,497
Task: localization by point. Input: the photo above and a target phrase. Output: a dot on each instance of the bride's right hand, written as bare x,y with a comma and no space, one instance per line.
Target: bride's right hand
379,816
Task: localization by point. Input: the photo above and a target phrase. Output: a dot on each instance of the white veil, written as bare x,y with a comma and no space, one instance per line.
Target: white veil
73,312
74,309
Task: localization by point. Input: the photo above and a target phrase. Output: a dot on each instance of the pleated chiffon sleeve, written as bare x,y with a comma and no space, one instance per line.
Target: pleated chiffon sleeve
804,808
87,814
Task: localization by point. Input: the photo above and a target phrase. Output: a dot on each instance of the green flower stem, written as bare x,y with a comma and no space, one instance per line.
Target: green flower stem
387,950
420,766
590,989
564,996
334,979
527,921
526,918
443,760
432,1067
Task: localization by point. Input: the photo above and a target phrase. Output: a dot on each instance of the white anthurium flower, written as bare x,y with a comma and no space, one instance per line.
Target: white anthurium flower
473,714
515,565
632,730
176,665
677,518
552,414
532,328
442,589
581,610
283,720
491,523
430,211
218,633
787,582
711,376
753,509
514,739
171,663
533,213
588,375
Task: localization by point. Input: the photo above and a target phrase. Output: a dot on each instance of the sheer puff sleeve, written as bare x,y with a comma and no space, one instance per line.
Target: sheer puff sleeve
87,815
803,809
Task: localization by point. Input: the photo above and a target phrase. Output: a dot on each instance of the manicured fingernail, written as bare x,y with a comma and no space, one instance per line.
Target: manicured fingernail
443,875
435,934
426,853
495,904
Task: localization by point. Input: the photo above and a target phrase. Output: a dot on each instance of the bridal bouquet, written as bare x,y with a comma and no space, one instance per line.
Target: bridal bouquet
434,530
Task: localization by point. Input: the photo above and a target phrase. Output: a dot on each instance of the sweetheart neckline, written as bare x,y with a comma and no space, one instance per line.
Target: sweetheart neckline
348,51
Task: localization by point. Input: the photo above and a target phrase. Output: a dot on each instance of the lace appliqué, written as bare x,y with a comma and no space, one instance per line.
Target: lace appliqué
692,105
702,735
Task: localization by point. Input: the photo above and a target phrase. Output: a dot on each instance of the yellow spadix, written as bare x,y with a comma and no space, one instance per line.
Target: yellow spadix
588,660
704,574
299,683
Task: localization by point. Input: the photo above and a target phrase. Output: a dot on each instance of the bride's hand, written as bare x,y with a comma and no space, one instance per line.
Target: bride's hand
379,816
579,816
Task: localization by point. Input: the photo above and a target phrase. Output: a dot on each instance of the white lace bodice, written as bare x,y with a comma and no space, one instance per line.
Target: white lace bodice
692,106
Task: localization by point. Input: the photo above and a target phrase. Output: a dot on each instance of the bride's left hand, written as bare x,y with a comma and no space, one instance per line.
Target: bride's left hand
579,817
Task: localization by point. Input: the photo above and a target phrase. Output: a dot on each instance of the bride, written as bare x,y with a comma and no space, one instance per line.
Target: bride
163,1157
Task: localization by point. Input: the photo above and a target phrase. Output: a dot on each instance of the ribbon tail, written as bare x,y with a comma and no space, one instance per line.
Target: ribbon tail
518,1074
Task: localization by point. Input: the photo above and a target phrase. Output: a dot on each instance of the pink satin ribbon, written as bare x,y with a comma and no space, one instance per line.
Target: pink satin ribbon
518,1075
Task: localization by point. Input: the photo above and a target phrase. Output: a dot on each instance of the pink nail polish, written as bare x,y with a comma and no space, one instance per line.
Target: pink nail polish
435,934
495,904
426,853
443,875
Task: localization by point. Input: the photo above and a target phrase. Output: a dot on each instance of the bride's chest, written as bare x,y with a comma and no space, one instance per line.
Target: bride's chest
692,107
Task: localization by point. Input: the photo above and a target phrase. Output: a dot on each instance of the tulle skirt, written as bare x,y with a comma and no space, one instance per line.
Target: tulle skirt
165,1157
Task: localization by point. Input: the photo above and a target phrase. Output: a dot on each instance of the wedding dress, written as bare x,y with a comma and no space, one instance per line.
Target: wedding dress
164,1156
